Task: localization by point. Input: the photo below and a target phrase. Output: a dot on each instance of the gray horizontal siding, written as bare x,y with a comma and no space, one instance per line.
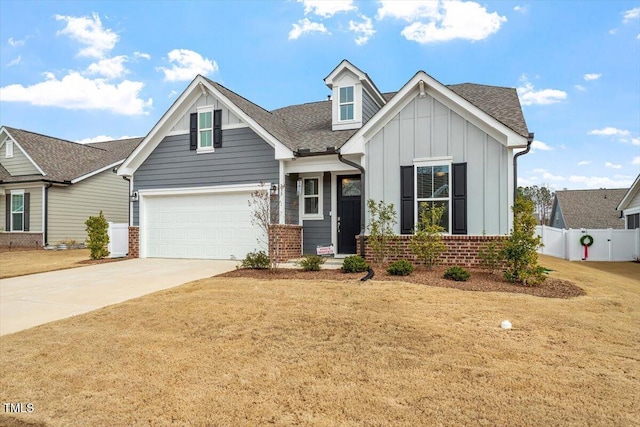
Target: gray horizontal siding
243,159
369,107
318,232
292,208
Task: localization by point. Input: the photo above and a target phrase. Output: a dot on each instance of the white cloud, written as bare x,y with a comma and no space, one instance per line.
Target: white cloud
305,26
584,162
618,181
612,166
635,141
101,138
14,43
580,88
142,55
327,8
15,61
539,170
76,92
636,160
172,94
592,76
437,21
547,176
186,65
110,68
529,96
521,9
364,30
539,145
609,131
631,14
89,31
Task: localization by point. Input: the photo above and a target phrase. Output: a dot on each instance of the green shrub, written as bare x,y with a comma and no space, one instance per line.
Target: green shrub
382,218
354,264
258,260
311,262
456,273
97,236
427,242
520,250
401,267
491,257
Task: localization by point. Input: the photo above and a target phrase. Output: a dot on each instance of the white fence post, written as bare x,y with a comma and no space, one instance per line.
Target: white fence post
118,240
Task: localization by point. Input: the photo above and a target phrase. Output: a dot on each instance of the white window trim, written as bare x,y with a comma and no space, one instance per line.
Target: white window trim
200,149
320,215
352,103
8,149
12,193
439,161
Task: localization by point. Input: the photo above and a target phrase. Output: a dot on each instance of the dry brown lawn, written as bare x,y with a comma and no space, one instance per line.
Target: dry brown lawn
22,262
238,351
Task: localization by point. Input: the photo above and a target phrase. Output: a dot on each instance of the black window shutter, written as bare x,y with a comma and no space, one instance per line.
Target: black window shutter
193,131
217,128
8,212
26,215
459,199
406,200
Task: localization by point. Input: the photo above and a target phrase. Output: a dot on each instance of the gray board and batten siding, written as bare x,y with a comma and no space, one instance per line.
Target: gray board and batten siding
244,158
369,107
426,128
318,232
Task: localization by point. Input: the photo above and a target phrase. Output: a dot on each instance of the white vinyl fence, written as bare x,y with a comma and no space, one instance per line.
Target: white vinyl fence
608,244
118,240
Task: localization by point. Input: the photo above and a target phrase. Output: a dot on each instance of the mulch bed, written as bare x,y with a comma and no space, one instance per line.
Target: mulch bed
102,261
480,281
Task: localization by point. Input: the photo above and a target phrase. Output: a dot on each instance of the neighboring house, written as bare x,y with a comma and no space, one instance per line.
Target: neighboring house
630,206
427,144
49,187
591,209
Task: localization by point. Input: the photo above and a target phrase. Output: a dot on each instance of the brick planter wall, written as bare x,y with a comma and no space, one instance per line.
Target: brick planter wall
286,240
22,240
134,242
461,250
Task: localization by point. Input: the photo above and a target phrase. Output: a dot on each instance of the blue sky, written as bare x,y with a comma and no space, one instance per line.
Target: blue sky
87,70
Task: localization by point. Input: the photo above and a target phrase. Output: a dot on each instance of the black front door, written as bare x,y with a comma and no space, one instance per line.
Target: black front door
349,190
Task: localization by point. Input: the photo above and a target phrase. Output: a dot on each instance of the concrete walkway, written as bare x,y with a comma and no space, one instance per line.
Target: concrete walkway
32,300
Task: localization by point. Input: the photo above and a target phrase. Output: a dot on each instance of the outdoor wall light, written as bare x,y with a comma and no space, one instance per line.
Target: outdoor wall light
422,94
274,189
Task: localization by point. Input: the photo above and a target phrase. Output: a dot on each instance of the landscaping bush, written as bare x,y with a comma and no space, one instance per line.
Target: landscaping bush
456,273
427,242
491,256
401,267
354,264
98,236
520,250
258,260
311,262
382,218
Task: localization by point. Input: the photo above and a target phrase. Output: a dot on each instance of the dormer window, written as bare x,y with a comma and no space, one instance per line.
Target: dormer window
346,103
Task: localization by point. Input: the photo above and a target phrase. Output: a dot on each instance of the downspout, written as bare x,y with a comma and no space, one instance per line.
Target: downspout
46,214
515,165
126,178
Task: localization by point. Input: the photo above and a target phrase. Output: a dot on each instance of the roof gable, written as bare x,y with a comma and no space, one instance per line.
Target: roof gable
369,85
591,209
630,195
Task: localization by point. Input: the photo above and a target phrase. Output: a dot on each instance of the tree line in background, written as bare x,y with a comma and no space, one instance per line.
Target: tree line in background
542,198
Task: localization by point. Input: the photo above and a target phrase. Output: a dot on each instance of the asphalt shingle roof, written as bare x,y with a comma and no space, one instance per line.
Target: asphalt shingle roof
63,160
308,126
591,208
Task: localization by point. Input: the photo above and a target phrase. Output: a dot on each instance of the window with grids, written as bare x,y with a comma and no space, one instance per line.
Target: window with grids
205,129
17,212
346,103
633,221
432,189
311,196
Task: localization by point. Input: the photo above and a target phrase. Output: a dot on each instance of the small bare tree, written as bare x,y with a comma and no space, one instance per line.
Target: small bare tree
264,213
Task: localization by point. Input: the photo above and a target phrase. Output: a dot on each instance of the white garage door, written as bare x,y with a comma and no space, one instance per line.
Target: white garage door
208,226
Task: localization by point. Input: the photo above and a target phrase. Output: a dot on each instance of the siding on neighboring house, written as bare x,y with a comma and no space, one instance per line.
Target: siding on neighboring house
243,159
426,128
634,203
19,164
369,107
35,205
292,208
557,220
70,207
318,232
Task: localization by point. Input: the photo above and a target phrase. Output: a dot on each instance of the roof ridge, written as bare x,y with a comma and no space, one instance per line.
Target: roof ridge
55,138
480,84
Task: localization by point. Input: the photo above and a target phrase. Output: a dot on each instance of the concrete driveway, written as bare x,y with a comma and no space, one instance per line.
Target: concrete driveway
32,300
